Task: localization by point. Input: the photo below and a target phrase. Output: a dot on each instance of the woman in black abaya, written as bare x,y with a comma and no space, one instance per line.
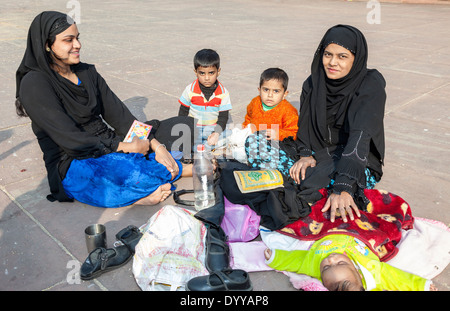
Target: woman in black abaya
80,125
340,138
341,134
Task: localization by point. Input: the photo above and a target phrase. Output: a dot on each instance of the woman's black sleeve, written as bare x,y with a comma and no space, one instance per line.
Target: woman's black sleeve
114,111
365,119
302,139
183,111
350,170
45,109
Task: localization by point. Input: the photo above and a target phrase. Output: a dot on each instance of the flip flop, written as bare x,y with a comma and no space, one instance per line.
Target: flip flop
102,260
130,237
227,280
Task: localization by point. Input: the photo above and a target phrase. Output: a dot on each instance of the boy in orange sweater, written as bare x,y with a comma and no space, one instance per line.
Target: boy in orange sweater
270,110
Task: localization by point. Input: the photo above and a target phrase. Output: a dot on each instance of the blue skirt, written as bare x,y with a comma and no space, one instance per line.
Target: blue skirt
115,179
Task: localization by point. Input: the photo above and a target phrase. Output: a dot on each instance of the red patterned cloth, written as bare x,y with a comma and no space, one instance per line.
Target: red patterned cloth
379,228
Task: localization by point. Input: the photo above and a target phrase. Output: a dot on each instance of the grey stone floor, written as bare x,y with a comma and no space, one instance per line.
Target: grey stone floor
144,50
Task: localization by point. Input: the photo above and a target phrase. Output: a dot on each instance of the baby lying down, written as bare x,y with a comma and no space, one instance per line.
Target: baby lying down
344,263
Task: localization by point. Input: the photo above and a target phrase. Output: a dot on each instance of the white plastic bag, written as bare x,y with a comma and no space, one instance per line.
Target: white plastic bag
235,143
171,250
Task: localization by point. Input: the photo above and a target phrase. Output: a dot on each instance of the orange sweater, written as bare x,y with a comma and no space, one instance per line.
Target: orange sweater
284,116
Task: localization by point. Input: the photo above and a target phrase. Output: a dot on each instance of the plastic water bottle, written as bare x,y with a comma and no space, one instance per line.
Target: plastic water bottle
203,179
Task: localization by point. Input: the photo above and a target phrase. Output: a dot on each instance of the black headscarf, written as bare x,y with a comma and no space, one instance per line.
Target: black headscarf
77,100
328,101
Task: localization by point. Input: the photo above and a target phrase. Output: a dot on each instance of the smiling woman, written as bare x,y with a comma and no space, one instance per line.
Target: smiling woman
65,52
80,125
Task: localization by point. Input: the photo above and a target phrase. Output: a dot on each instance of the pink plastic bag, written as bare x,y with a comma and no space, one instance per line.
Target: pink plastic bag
240,223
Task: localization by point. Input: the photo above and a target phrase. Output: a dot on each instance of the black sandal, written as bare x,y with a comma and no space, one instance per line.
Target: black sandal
130,237
177,194
227,280
217,256
102,260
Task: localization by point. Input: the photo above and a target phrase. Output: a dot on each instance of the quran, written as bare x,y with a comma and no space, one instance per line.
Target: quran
252,181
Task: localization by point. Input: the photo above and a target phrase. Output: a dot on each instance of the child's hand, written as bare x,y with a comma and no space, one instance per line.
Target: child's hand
213,139
271,134
267,253
433,288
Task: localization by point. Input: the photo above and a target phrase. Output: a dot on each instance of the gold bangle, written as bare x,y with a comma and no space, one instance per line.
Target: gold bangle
160,146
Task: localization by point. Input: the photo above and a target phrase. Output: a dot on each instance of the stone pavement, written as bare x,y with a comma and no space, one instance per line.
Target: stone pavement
144,50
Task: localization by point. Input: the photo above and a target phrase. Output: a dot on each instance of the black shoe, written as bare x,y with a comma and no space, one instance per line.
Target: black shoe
102,260
217,256
227,280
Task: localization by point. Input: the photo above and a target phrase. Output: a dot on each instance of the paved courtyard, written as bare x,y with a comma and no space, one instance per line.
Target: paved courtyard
144,50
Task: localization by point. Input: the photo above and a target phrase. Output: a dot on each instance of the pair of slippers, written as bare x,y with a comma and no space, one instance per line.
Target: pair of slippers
217,262
221,277
102,260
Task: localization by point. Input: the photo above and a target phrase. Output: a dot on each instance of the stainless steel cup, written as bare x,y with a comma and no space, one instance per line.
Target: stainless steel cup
95,236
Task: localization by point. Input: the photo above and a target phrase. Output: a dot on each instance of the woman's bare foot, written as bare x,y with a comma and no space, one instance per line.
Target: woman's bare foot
157,196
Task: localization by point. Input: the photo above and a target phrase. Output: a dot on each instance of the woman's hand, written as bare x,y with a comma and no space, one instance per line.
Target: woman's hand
164,157
343,203
298,170
135,146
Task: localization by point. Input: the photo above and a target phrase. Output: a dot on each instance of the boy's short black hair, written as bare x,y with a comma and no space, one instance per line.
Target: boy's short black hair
206,58
275,74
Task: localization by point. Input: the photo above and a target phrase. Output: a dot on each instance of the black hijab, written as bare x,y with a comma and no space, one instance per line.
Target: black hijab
329,102
79,101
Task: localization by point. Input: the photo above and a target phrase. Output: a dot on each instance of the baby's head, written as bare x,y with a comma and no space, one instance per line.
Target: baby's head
273,85
207,66
339,274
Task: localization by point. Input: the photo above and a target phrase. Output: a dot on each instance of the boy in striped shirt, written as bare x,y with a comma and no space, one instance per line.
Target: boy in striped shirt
206,99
